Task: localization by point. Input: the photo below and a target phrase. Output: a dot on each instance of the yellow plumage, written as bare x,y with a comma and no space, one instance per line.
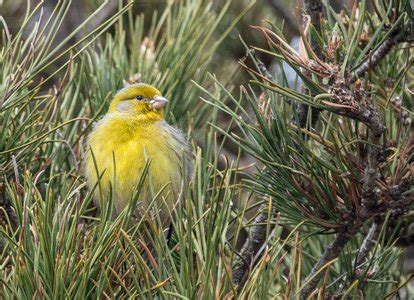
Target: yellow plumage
134,132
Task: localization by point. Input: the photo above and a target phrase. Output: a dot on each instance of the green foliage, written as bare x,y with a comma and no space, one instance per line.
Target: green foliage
62,246
52,92
63,251
314,177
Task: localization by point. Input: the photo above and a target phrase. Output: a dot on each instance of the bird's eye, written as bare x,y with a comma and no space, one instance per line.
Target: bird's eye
139,97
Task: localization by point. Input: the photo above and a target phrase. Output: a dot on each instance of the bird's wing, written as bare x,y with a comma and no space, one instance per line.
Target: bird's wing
181,148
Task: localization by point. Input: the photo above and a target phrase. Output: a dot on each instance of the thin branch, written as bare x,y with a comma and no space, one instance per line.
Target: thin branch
331,252
252,248
371,117
314,9
368,242
366,246
256,240
8,217
371,173
376,56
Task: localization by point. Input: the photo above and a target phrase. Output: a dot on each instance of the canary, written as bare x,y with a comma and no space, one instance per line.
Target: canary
131,135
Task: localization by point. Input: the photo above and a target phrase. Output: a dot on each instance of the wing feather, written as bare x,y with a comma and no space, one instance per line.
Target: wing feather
180,148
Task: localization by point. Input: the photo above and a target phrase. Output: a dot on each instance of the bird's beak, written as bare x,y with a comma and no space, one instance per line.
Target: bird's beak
158,102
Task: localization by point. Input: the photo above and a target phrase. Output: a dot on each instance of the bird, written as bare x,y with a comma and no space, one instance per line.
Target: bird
131,136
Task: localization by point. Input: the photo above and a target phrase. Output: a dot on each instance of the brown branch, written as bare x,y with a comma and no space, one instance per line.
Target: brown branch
368,242
352,106
251,249
369,197
366,246
314,9
331,252
370,116
8,217
376,56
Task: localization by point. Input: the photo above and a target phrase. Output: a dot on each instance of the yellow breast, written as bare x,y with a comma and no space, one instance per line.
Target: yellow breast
121,146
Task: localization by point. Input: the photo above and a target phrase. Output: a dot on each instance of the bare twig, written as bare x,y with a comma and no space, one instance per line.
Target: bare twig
368,242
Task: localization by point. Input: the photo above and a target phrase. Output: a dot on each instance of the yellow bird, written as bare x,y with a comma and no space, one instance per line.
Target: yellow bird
132,133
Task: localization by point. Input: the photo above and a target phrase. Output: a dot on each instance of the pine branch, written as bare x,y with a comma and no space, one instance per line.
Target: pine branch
358,105
8,217
370,116
368,242
376,56
314,9
251,249
257,235
371,206
330,253
366,246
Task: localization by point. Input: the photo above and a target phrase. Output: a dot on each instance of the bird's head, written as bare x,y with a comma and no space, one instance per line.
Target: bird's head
139,99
